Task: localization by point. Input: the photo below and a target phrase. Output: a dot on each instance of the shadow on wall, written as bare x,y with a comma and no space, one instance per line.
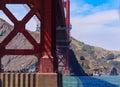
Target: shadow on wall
75,67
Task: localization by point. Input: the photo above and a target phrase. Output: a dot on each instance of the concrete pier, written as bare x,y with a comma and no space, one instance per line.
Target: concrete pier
28,80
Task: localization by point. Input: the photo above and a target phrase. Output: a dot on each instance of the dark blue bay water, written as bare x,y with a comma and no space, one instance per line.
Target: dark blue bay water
85,81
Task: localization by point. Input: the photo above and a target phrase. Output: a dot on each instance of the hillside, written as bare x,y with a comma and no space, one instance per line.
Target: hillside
92,58
83,57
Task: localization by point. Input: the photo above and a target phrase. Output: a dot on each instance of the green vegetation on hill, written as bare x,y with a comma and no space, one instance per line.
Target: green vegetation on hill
91,57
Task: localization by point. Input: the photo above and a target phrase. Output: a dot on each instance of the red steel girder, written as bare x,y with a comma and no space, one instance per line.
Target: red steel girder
19,52
18,1
67,6
19,26
48,12
46,63
60,14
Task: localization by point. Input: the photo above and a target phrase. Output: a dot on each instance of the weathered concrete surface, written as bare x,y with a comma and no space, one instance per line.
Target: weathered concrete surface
28,80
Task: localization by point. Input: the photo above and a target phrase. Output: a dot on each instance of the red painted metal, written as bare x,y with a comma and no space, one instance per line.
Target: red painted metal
63,50
68,33
66,4
46,61
51,14
19,26
19,52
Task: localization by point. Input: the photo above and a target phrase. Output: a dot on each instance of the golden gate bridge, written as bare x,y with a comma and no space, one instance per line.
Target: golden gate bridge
53,50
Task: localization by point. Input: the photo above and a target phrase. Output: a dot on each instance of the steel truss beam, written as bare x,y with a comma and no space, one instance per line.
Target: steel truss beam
45,11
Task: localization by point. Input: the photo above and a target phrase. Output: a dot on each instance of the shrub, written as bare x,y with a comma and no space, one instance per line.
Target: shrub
82,58
110,56
86,66
88,49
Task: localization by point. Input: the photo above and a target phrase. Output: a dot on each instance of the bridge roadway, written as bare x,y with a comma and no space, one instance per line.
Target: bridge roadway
55,25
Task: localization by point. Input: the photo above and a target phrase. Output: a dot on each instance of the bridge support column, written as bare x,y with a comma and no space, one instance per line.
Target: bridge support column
46,64
46,61
67,6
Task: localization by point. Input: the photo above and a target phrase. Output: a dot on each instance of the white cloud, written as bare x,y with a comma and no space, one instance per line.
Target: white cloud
99,29
95,21
98,18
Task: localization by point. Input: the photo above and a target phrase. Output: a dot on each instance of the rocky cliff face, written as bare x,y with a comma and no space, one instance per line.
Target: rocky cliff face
92,58
83,57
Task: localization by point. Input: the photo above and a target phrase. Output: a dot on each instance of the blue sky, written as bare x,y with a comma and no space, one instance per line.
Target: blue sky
96,22
19,11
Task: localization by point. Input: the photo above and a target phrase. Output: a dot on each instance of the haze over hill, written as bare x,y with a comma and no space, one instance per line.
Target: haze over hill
85,56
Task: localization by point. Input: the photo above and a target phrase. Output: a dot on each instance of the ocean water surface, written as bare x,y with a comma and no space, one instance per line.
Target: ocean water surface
90,81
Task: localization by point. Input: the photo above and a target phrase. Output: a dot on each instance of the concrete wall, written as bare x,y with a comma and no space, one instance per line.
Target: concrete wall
28,80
